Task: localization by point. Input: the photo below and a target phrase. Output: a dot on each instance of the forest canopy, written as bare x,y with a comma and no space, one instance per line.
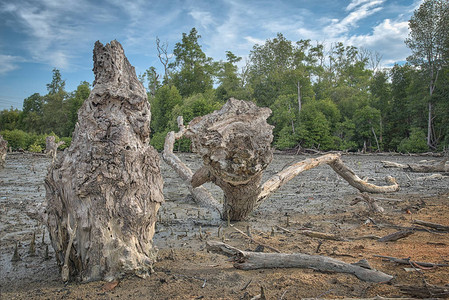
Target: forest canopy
323,97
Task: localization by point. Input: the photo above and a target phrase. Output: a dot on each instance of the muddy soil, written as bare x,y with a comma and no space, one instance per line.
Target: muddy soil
318,200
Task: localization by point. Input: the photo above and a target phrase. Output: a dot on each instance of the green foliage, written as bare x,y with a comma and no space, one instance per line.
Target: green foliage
314,130
286,139
166,98
67,142
17,139
192,70
367,126
35,147
10,118
416,143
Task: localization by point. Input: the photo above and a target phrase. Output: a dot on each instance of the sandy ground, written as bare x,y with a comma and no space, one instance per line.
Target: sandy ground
318,200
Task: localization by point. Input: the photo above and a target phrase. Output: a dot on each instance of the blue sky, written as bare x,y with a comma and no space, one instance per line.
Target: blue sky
39,35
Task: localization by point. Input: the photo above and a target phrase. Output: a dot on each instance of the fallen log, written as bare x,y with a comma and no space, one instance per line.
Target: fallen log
436,226
396,236
425,291
322,235
247,260
419,168
407,261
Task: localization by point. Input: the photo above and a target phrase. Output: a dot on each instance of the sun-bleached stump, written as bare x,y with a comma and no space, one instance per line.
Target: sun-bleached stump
3,150
234,143
103,194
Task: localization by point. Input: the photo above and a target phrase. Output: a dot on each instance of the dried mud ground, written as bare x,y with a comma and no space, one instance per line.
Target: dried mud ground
318,200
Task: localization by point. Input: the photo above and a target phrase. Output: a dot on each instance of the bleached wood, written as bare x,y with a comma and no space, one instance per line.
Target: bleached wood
247,260
103,193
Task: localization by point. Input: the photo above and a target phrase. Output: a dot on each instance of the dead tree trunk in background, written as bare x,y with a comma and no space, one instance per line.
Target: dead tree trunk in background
234,144
51,147
104,192
3,150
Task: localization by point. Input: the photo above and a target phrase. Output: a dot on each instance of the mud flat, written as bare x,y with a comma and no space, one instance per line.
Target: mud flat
317,200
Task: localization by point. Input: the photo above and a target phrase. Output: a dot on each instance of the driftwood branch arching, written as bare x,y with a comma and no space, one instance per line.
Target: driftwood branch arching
234,143
103,193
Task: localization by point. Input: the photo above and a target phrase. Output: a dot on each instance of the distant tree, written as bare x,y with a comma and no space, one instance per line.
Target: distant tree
54,114
429,41
192,70
73,104
33,113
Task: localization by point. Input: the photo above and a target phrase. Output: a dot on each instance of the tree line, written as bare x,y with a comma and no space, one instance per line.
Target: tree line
326,98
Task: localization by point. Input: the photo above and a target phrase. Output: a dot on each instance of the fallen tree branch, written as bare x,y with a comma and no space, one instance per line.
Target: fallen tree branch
284,176
396,236
436,226
419,168
322,235
246,260
349,175
426,291
254,241
201,195
407,261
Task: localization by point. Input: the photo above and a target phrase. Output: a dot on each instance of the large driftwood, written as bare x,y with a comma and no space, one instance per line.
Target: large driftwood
234,144
442,166
247,260
3,150
103,194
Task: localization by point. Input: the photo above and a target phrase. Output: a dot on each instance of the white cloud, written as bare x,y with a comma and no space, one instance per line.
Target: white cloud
203,17
350,21
355,3
387,38
8,63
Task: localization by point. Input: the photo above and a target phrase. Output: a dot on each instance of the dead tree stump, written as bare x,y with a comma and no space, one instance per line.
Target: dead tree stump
235,145
3,150
103,194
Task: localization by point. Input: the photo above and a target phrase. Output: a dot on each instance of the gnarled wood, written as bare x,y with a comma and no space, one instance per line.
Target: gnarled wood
247,260
103,194
234,143
3,150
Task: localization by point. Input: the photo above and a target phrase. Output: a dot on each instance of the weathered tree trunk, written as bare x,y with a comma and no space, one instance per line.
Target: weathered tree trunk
51,147
3,150
104,192
234,144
